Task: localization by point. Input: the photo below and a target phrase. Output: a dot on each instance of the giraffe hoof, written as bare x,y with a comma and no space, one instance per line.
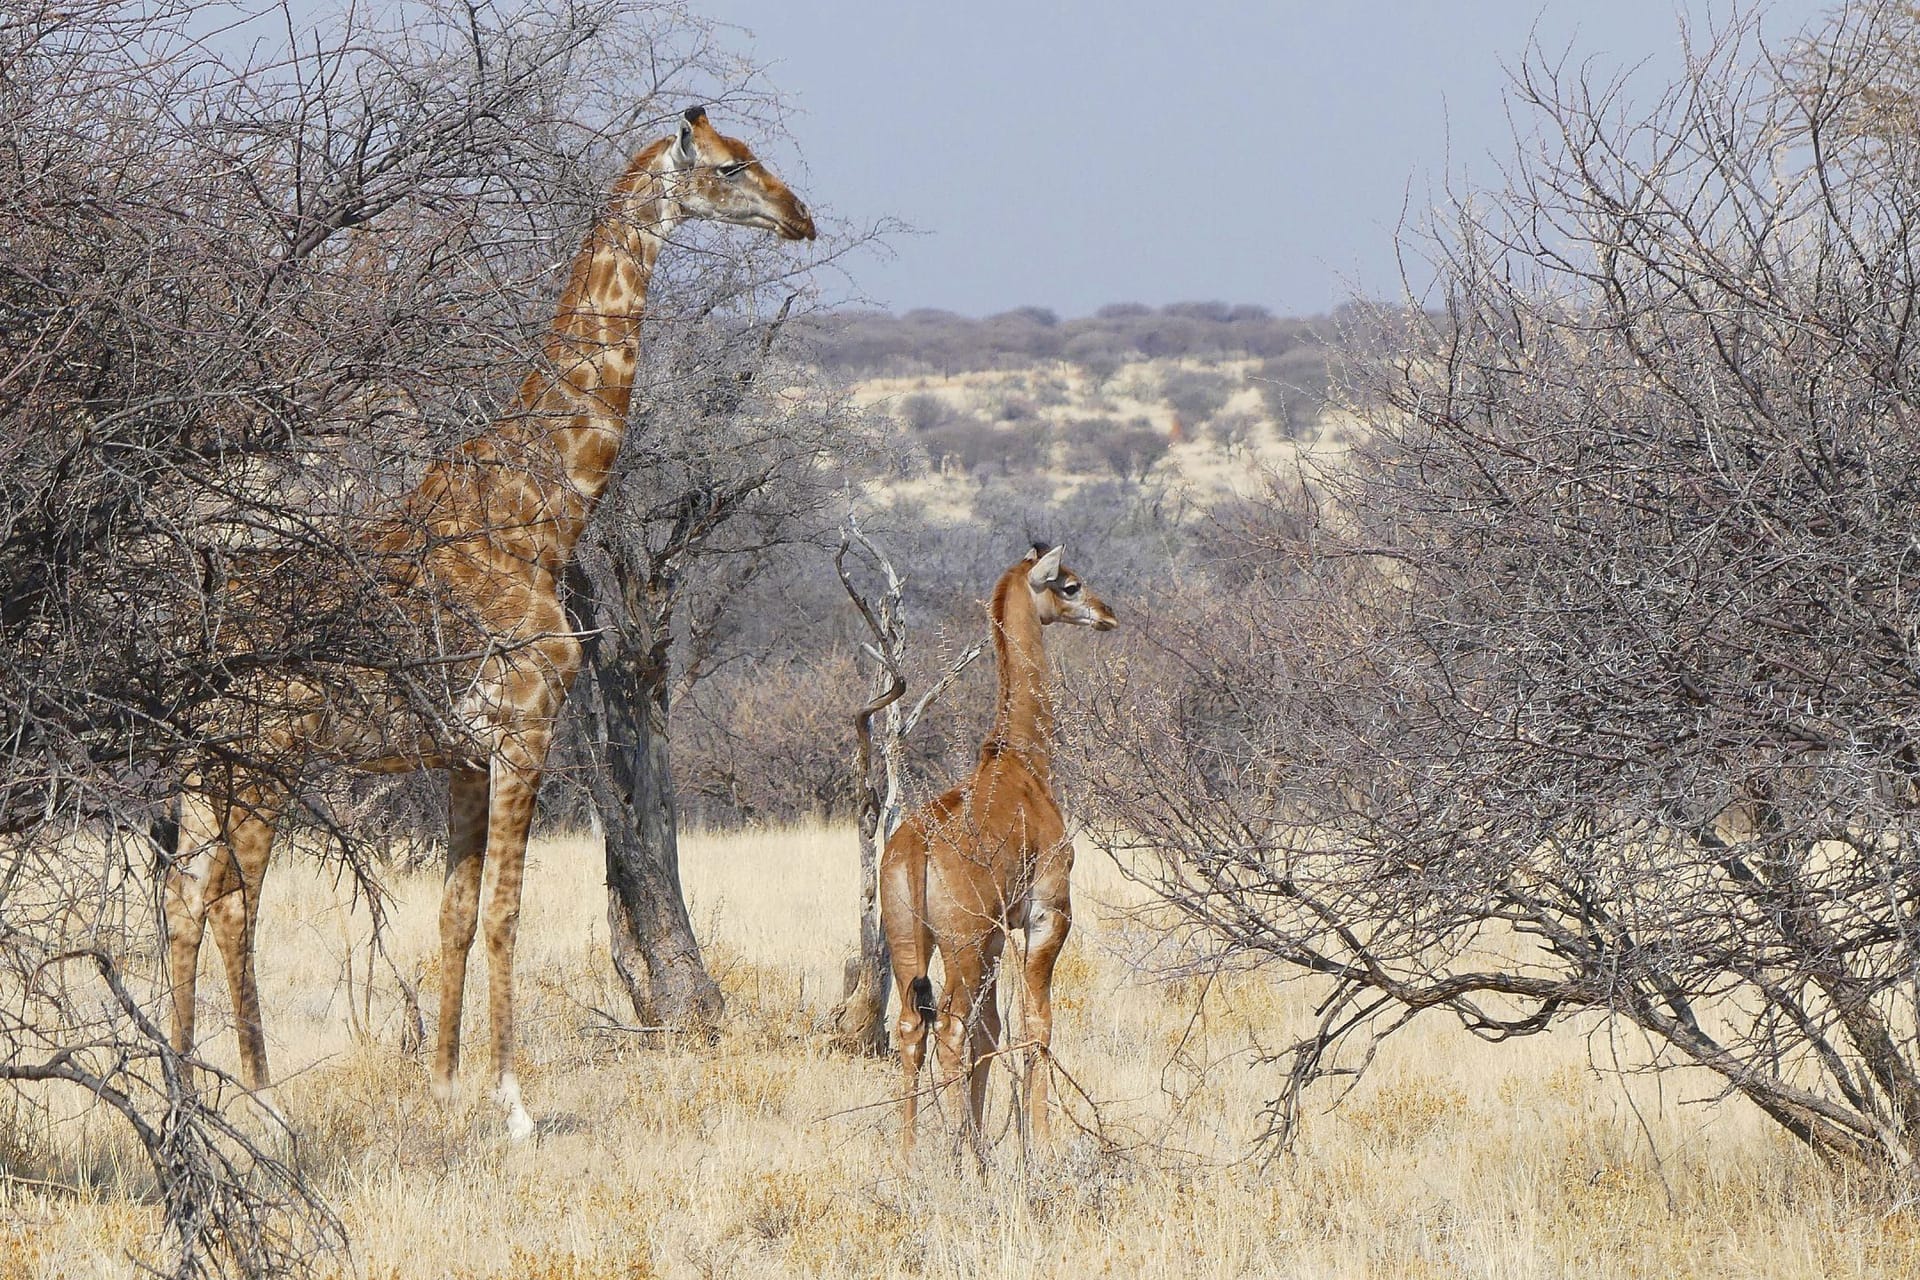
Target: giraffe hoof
268,1100
519,1123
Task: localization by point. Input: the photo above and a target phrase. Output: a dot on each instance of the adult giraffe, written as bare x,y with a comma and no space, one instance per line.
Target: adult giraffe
988,857
470,564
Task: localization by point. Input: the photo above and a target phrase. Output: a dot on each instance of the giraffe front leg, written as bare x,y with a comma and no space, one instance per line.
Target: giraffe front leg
1048,922
510,814
983,1044
459,915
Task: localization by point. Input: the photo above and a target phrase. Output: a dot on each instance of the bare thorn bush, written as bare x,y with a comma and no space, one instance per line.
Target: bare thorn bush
1589,686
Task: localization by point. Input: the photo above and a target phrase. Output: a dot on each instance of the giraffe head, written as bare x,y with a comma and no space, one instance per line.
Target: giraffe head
1060,596
709,175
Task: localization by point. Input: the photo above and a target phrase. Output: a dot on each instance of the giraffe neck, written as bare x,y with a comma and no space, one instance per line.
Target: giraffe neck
557,449
1023,718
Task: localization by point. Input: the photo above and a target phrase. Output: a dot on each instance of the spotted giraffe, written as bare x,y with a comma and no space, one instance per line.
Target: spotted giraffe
470,564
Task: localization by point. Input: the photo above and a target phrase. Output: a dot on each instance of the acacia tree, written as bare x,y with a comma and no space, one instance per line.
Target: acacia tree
1591,684
727,475
243,299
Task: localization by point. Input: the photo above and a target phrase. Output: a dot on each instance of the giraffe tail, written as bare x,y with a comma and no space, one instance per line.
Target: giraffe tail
164,831
922,991
903,913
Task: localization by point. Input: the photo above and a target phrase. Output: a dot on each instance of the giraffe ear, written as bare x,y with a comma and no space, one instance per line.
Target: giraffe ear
684,149
1045,571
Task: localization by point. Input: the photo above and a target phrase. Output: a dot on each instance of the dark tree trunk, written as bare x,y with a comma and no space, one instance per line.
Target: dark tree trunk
651,935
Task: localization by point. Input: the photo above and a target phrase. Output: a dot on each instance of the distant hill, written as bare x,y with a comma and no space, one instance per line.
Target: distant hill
868,344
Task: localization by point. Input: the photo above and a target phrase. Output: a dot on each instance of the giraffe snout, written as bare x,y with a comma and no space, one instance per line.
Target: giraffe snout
798,222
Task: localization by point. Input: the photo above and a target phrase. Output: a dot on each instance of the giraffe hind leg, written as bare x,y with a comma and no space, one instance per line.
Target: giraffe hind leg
191,859
903,875
917,1014
234,913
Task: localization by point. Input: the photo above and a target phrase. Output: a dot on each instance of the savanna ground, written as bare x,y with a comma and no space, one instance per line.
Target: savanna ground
768,1155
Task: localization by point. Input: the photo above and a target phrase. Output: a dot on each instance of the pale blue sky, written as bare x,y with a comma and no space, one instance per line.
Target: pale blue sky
1072,154
1080,152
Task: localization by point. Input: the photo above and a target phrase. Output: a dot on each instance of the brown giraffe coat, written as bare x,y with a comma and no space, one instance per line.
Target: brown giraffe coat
989,857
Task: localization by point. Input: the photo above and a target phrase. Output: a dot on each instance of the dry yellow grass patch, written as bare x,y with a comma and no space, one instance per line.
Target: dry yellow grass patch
763,1155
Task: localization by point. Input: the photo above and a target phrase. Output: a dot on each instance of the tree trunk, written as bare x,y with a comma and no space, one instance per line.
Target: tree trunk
860,1019
650,933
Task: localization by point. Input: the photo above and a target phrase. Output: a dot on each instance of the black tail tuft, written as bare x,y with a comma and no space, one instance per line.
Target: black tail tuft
165,833
921,989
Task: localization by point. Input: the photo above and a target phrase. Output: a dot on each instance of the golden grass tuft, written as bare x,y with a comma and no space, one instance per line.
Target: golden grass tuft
766,1155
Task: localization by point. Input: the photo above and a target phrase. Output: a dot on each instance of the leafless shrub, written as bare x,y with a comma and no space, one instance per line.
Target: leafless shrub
1232,429
883,725
1196,394
971,444
1294,389
780,754
1049,391
1590,687
924,412
1127,449
727,475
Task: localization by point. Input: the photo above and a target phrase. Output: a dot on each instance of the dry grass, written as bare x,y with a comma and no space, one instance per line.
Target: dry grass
766,1156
